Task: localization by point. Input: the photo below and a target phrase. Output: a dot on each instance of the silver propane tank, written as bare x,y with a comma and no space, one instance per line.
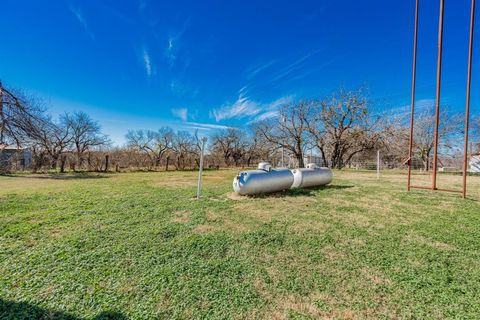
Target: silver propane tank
263,180
311,176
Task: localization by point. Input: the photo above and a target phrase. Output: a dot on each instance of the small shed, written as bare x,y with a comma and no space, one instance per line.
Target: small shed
15,156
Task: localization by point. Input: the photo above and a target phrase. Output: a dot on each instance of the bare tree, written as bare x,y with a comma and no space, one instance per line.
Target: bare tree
424,133
184,147
86,133
343,127
53,138
153,143
255,149
475,135
20,117
231,144
289,129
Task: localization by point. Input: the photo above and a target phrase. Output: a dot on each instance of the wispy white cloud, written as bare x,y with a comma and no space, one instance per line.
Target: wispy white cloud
174,43
313,70
171,50
265,116
243,91
205,126
252,72
181,113
275,105
147,61
294,66
243,107
272,109
421,105
78,14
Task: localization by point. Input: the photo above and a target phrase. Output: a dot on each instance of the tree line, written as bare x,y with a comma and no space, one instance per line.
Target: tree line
340,129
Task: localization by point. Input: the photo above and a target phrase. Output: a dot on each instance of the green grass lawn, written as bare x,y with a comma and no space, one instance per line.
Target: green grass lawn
139,246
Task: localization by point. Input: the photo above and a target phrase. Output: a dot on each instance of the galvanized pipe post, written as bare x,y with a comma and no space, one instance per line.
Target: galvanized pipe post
378,164
414,79
467,101
200,169
437,96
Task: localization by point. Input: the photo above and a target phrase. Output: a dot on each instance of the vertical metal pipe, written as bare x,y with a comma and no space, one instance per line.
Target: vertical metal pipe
378,164
414,79
1,114
437,98
200,170
467,102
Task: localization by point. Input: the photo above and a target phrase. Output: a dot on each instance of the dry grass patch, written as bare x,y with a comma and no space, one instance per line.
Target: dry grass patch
418,239
181,216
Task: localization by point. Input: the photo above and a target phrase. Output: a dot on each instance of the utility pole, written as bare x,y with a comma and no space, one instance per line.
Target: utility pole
200,170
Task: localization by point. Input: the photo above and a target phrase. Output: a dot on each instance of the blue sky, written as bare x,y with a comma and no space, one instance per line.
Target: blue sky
212,64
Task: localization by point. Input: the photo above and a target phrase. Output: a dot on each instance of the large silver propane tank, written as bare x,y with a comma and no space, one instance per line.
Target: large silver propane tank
263,180
311,176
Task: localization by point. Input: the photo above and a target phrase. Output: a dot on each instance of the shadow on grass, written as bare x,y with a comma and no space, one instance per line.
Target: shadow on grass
309,192
10,310
60,176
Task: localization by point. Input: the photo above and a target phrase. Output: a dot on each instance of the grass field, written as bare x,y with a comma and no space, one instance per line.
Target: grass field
138,246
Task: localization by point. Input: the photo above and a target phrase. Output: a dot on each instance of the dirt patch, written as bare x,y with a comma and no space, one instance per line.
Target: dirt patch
431,243
235,196
182,216
204,228
376,277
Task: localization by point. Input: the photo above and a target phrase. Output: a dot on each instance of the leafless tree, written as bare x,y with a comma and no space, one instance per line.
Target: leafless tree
153,143
86,133
184,147
53,139
475,135
20,117
424,133
342,127
289,129
232,144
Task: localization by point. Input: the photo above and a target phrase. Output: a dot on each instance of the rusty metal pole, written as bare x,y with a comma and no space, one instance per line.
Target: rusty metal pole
437,98
467,102
414,79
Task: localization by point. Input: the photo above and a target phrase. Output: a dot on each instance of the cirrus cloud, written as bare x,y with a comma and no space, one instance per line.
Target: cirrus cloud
181,113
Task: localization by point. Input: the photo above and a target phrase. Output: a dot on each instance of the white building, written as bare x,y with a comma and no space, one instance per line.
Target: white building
475,163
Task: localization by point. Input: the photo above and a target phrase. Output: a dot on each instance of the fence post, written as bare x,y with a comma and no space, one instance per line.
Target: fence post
200,169
378,164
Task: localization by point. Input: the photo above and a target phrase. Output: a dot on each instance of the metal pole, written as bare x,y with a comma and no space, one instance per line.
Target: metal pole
414,78
378,164
467,103
437,99
284,120
200,170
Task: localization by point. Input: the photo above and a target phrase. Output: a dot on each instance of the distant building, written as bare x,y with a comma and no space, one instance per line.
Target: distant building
475,163
314,159
14,157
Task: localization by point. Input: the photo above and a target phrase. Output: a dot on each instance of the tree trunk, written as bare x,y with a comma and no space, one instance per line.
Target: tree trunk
166,165
301,163
63,160
107,157
53,164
